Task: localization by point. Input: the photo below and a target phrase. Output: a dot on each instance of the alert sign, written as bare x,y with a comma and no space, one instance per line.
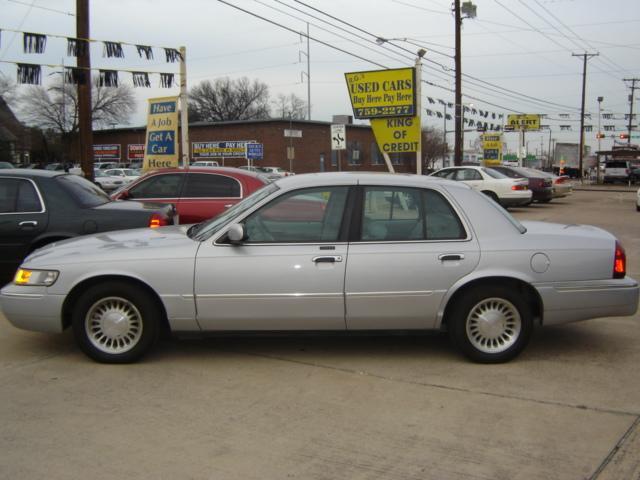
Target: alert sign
398,134
523,122
382,93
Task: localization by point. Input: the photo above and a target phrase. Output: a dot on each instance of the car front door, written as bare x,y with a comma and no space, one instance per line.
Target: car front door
22,218
162,188
410,247
289,272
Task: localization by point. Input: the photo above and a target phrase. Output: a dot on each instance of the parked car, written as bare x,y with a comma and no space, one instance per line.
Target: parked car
5,165
205,163
106,182
540,185
128,175
198,193
616,171
561,184
38,207
506,191
276,171
638,200
105,165
388,252
634,175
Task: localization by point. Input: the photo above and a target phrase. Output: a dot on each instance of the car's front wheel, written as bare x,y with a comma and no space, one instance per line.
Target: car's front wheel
116,322
490,324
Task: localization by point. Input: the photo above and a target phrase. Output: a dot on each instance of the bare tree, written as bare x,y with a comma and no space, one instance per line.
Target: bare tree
7,88
433,146
226,99
290,107
56,107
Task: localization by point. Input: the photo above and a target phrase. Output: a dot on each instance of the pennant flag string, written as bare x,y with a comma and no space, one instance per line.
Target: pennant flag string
141,79
76,76
112,49
29,74
33,42
108,78
146,51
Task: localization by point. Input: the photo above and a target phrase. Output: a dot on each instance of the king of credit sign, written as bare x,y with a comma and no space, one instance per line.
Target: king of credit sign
382,93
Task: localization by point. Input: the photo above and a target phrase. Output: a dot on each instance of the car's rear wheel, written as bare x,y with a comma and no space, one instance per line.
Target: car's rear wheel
116,322
492,195
490,324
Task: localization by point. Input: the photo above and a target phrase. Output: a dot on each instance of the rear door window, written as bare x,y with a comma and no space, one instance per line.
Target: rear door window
18,196
159,186
208,185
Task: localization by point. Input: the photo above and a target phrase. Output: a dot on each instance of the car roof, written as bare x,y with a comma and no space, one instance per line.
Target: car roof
225,170
31,172
364,178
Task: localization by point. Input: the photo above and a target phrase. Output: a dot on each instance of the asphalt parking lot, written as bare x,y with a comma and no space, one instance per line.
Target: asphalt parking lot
329,408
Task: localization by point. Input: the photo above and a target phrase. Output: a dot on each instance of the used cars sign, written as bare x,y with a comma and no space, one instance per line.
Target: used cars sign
382,93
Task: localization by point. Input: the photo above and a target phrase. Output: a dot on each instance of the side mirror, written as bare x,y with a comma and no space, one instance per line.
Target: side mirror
236,233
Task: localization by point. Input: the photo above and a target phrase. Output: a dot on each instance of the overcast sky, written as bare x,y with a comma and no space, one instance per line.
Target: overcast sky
522,48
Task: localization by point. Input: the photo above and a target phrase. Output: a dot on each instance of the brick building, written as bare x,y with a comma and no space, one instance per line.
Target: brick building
312,150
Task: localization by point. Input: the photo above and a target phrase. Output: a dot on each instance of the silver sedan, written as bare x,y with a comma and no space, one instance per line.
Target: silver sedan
346,252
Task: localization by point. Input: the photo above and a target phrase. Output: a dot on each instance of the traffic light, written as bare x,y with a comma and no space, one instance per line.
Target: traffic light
624,136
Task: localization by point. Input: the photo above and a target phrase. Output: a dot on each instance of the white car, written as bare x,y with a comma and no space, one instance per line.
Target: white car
107,182
276,171
205,163
126,174
508,192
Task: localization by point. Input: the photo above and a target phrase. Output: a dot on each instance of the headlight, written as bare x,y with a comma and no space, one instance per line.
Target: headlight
35,278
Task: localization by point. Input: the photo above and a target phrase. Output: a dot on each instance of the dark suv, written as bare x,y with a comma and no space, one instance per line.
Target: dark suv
539,184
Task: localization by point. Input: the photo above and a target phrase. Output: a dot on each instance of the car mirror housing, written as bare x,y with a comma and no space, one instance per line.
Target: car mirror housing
236,233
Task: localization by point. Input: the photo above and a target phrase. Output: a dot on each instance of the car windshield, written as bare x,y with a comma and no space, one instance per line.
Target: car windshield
204,230
85,192
494,173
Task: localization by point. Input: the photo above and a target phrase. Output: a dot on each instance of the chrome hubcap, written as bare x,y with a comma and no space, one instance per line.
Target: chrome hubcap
493,325
113,325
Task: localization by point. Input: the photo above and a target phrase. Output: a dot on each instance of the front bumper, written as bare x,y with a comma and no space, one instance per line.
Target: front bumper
571,302
32,308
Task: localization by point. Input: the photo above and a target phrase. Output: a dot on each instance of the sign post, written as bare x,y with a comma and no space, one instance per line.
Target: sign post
339,140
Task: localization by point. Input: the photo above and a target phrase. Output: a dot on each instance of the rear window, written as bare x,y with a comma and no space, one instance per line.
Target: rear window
615,164
86,193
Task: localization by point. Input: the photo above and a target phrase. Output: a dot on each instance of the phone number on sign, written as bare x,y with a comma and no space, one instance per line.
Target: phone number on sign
392,111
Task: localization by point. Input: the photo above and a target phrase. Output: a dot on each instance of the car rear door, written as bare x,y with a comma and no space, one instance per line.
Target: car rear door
23,217
206,195
287,275
409,247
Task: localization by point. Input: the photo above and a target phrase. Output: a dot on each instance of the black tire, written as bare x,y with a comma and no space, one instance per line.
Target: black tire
492,195
545,200
125,322
505,338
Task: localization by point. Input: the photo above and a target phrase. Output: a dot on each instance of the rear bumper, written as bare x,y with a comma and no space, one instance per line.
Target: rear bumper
516,200
32,308
571,302
543,194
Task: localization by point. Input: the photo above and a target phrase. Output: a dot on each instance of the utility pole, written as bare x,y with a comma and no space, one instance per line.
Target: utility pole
469,11
457,154
633,87
85,127
585,56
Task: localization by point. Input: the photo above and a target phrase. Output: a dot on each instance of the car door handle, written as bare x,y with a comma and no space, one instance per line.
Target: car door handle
327,259
444,257
28,223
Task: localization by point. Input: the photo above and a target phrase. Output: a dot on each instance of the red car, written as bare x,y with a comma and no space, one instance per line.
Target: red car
197,193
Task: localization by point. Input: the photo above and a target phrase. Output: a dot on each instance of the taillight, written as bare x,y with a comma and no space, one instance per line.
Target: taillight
157,220
518,187
619,262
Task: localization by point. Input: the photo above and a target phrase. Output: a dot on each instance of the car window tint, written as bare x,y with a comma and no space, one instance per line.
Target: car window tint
391,213
158,186
28,200
493,173
450,173
442,222
468,174
83,191
210,185
303,216
8,194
